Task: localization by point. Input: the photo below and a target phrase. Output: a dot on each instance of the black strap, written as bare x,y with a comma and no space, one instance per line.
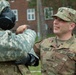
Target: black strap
19,69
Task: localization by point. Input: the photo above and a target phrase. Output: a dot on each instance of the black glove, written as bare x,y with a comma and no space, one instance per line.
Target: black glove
30,60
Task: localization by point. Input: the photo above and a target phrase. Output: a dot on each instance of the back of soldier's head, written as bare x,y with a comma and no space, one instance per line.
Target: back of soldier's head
7,17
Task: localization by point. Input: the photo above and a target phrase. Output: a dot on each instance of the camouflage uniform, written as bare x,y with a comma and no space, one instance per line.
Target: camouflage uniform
14,47
58,57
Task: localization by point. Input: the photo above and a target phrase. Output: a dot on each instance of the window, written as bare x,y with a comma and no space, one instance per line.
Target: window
28,0
16,13
30,14
48,12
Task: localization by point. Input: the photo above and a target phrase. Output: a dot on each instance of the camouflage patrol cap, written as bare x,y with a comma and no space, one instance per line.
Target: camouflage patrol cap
66,14
3,4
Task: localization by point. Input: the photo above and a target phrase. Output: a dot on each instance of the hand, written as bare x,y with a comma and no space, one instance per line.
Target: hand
21,29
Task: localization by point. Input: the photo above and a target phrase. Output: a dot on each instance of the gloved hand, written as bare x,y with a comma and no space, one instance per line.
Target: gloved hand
30,60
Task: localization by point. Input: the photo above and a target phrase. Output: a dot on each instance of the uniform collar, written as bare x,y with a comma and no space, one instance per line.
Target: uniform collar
57,43
67,41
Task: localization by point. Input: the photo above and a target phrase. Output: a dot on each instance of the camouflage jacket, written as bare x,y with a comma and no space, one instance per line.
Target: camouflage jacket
58,57
14,47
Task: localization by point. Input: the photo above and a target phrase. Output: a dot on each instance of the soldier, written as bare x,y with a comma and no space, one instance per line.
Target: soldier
58,54
16,50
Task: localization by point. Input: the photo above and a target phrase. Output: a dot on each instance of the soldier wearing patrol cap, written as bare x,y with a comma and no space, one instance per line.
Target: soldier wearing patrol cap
16,50
58,54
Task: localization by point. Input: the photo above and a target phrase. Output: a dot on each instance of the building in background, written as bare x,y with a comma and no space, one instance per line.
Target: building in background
28,15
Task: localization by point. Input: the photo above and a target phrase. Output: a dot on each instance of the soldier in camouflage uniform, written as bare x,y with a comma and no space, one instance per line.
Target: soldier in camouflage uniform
58,54
16,50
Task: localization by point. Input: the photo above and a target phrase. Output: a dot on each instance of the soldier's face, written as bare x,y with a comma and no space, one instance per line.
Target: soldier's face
60,26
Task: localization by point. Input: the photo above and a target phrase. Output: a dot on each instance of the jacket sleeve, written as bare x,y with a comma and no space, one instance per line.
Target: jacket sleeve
15,47
31,60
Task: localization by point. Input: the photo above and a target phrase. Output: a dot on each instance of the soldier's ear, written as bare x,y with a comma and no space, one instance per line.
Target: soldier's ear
72,25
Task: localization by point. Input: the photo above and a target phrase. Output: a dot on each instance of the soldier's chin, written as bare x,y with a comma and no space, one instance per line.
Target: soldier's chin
57,33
